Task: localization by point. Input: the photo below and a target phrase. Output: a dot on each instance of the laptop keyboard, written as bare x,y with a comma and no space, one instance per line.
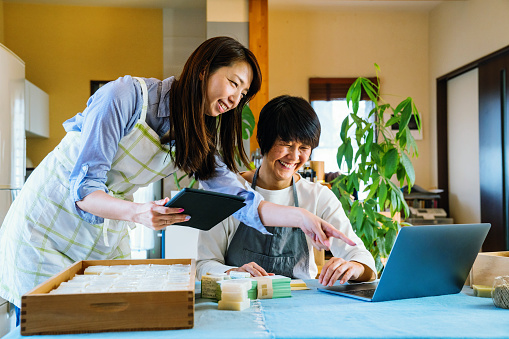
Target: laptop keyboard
363,293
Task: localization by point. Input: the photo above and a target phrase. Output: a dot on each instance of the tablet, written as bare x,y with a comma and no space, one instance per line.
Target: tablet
206,208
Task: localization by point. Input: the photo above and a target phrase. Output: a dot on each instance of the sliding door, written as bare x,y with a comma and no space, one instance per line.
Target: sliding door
494,150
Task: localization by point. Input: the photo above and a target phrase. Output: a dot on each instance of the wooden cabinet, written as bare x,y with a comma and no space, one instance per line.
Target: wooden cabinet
36,111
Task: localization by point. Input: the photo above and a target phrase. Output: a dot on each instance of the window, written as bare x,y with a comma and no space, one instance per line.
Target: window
331,115
328,98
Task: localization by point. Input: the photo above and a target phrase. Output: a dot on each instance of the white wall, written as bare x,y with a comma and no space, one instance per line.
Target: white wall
461,32
463,148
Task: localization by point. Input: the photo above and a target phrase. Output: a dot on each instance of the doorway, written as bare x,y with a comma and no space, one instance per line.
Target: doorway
493,144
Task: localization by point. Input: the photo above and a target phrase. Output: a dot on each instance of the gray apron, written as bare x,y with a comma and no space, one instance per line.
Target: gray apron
277,253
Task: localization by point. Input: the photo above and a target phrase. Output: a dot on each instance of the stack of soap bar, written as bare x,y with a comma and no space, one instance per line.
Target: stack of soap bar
209,284
273,286
251,292
127,278
482,291
234,295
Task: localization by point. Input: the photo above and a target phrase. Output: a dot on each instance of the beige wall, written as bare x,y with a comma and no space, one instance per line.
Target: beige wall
64,47
304,44
461,32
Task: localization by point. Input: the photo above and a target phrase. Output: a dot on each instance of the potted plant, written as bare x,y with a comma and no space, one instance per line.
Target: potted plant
383,155
248,125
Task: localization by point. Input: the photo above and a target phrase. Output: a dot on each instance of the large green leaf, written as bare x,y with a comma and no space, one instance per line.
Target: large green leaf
390,237
393,120
340,154
349,154
390,162
410,144
417,116
356,95
382,194
409,169
373,189
369,89
371,214
368,231
344,129
376,150
359,217
406,114
248,122
402,137
369,140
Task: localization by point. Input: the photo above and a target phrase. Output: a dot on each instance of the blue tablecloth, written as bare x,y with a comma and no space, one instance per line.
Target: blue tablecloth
314,314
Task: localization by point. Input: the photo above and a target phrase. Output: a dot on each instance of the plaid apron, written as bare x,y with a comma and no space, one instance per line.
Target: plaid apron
42,234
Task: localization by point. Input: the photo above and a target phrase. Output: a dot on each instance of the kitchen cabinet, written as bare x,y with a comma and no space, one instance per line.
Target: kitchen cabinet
36,111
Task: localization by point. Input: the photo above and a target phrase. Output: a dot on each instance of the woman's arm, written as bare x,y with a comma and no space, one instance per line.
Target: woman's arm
259,213
110,113
151,214
314,227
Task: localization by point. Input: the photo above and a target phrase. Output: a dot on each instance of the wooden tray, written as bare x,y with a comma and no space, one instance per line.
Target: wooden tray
43,313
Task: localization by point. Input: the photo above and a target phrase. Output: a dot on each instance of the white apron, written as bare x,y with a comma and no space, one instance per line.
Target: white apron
42,235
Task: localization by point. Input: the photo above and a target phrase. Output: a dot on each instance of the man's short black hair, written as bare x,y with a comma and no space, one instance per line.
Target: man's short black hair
287,118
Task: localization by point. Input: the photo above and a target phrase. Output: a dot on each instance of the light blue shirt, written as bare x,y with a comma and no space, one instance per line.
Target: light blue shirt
111,113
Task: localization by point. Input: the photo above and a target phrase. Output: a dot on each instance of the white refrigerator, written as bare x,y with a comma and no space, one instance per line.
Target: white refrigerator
12,147
12,128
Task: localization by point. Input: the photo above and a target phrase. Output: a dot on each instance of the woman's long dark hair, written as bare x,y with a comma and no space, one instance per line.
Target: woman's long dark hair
195,134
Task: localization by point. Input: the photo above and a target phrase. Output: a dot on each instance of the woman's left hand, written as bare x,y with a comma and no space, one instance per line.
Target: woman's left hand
336,268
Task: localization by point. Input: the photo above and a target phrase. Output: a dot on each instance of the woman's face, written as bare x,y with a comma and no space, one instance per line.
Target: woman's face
226,87
285,158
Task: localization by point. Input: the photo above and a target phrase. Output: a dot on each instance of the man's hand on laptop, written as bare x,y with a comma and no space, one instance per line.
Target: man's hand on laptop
336,268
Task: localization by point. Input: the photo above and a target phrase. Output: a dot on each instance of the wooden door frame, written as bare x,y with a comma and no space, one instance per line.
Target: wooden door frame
442,151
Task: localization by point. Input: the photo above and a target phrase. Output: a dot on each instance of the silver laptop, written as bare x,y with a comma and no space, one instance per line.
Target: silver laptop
425,261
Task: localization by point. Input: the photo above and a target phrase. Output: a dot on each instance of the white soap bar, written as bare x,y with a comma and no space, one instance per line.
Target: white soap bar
236,285
66,290
234,296
80,277
233,305
239,275
95,269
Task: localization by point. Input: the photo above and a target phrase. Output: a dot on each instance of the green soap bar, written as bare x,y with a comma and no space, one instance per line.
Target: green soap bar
482,291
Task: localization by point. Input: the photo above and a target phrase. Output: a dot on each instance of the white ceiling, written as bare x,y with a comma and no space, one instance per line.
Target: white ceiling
415,5
122,3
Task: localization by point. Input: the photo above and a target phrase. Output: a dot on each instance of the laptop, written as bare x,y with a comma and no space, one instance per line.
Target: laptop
425,261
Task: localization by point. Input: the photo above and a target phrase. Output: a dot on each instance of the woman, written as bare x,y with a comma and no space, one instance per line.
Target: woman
288,130
77,204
